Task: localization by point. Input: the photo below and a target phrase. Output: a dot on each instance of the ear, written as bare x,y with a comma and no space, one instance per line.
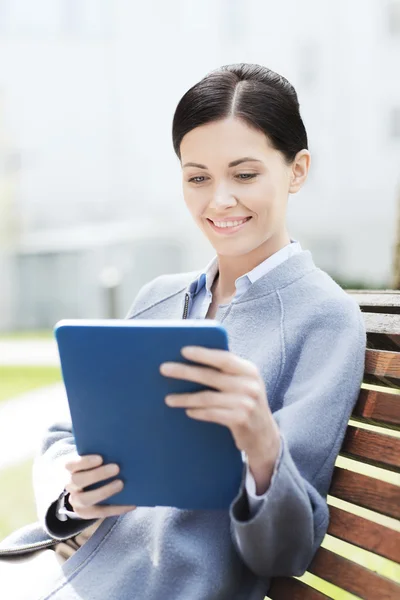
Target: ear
299,170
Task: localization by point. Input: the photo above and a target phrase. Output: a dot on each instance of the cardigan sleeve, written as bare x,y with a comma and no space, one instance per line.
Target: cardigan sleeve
49,478
49,474
317,391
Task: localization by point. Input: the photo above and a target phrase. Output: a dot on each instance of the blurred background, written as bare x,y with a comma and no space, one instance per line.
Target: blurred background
91,206
90,189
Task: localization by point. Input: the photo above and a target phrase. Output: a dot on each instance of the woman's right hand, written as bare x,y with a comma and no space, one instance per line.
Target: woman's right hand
88,469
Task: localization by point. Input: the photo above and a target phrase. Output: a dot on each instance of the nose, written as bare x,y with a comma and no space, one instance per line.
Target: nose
222,198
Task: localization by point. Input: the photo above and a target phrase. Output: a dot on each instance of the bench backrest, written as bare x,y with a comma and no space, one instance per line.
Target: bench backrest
377,406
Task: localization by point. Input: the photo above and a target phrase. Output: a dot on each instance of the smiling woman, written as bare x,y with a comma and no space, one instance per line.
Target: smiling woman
243,151
285,389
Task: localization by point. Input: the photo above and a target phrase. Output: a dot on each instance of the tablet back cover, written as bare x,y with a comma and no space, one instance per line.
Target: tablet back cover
116,397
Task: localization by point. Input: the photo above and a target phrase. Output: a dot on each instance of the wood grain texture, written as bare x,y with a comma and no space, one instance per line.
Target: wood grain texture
376,297
382,323
287,588
352,577
379,408
382,363
364,533
367,492
374,448
374,301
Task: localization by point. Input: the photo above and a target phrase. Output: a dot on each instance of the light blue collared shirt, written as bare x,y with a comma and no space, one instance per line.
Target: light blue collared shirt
201,287
202,298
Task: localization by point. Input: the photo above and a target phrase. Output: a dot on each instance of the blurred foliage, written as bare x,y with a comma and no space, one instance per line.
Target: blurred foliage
23,335
15,380
353,284
17,505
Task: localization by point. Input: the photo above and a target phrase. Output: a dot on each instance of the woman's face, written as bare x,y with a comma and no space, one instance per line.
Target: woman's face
232,175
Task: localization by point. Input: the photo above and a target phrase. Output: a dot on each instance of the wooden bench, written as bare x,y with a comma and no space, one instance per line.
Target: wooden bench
379,408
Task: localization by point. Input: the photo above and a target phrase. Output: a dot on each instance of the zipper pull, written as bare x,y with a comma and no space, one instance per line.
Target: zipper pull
186,307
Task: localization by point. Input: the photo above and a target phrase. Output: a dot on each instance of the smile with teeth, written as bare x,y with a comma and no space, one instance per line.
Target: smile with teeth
225,224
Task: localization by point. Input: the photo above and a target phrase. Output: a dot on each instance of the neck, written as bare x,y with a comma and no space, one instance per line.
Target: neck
232,267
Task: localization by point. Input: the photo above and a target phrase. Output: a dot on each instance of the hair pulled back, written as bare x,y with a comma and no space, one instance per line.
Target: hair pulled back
256,94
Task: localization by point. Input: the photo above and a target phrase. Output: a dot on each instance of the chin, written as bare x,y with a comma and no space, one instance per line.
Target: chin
233,250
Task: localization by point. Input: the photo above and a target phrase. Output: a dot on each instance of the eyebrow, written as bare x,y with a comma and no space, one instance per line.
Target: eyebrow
234,163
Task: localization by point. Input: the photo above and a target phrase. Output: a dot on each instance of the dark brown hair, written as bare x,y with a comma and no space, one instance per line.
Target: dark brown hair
259,96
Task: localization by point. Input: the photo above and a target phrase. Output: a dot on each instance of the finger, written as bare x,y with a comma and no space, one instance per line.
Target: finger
210,377
82,479
81,463
99,512
82,499
207,399
222,416
226,361
223,382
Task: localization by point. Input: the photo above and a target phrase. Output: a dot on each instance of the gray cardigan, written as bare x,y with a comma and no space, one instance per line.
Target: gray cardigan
307,336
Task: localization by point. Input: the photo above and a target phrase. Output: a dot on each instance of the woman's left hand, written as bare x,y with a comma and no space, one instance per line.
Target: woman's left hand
239,402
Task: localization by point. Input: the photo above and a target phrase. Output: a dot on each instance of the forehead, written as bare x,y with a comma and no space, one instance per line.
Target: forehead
224,140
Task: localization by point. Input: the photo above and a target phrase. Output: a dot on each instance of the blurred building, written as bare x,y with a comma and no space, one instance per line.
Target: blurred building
90,272
89,88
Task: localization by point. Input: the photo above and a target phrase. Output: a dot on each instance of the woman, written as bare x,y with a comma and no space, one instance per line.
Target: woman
285,389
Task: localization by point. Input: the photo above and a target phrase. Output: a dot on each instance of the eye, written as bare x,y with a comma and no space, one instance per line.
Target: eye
245,176
195,179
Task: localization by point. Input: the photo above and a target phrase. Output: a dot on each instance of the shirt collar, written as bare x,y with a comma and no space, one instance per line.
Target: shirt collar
207,276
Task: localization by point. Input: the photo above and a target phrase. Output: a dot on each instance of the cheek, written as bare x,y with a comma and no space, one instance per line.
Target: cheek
195,202
261,198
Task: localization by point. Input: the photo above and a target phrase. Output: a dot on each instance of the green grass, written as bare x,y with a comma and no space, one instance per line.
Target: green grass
15,380
34,334
17,506
16,497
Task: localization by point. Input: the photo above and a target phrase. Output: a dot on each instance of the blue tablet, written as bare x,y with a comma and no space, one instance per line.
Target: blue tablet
116,398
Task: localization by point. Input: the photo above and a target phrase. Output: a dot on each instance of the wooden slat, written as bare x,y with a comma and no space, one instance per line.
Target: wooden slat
352,577
367,492
382,363
378,302
374,448
376,297
382,323
286,588
380,408
364,533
